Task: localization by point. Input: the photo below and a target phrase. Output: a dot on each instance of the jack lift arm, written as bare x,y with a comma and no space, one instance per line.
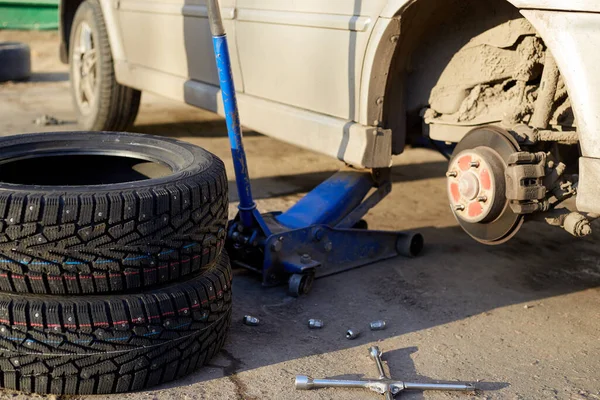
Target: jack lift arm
313,238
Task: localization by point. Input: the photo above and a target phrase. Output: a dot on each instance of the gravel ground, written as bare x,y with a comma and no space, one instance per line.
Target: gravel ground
521,319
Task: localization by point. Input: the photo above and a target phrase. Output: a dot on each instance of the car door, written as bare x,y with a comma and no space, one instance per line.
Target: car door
306,54
172,38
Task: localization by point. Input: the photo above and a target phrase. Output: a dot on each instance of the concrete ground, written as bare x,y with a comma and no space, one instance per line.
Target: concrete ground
521,320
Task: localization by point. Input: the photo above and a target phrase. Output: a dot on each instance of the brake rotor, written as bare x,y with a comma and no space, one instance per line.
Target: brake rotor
477,186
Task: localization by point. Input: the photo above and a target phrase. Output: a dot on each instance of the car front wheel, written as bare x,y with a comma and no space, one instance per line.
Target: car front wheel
102,104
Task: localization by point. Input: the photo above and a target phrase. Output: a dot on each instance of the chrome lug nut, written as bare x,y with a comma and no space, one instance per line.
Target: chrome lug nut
459,207
451,174
315,323
352,334
474,164
250,320
377,325
482,199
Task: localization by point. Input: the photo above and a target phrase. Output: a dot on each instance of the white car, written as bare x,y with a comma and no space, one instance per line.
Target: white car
512,86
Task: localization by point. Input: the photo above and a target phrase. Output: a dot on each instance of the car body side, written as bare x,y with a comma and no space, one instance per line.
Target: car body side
321,75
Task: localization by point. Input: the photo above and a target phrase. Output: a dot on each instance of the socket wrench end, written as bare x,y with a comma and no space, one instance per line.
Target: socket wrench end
374,352
303,382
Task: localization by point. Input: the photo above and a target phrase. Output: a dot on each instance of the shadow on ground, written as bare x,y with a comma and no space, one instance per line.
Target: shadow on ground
284,185
402,368
411,294
49,77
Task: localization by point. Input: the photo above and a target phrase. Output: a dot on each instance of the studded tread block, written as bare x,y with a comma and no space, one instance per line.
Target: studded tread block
110,344
115,237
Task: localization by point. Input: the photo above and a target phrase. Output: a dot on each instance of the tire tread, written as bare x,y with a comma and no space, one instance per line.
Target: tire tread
90,243
67,345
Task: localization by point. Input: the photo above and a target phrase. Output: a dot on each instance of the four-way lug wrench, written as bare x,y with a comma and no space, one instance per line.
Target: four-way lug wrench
382,385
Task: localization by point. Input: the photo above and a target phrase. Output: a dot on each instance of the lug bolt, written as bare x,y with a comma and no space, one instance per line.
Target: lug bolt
459,207
451,174
474,164
482,199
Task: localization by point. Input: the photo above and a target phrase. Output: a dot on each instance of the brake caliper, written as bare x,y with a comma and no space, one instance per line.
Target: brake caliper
525,190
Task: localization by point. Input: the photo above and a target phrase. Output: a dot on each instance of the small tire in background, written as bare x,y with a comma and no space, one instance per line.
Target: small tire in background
15,61
119,343
106,212
102,104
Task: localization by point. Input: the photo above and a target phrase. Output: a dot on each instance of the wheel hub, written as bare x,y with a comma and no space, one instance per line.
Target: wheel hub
475,178
468,185
476,185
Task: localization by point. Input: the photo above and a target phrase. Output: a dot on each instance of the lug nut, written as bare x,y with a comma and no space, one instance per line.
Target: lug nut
482,199
377,325
352,334
474,164
315,323
451,174
250,320
459,207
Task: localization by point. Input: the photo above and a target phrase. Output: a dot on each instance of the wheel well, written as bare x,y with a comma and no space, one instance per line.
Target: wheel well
434,34
67,9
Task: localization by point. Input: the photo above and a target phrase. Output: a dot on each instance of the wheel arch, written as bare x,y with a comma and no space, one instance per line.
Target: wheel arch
67,10
66,14
396,7
387,82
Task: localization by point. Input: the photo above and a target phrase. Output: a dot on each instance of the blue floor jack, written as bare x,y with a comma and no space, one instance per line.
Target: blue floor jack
315,237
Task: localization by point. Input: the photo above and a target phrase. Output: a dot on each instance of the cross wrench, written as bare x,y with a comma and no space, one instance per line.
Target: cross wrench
383,385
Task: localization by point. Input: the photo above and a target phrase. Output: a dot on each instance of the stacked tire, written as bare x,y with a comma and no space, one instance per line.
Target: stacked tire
111,280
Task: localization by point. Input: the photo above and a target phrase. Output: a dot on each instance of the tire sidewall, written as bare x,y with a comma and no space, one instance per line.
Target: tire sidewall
15,61
191,160
90,12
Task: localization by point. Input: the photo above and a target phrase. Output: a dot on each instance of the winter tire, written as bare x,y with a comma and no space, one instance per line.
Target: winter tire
15,61
79,215
119,343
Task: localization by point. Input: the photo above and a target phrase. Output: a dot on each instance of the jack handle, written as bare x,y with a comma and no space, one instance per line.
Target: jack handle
232,117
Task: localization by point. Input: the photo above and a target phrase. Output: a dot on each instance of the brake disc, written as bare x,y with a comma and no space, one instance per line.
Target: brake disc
477,188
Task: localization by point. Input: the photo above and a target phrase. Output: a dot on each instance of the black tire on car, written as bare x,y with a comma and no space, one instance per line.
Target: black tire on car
15,61
106,212
102,104
111,344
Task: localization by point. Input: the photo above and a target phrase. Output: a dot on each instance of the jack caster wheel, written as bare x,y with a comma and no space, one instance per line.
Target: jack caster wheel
300,284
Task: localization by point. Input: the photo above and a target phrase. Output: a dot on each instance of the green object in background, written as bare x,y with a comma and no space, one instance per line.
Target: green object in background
29,14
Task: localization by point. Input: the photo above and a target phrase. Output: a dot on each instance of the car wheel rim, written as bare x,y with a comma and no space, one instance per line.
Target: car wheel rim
85,68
